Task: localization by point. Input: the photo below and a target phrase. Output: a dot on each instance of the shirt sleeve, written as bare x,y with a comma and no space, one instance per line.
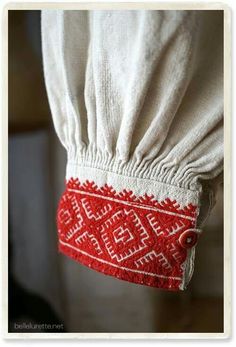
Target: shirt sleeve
137,101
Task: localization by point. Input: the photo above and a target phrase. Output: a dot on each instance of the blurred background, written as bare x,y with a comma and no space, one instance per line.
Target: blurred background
48,288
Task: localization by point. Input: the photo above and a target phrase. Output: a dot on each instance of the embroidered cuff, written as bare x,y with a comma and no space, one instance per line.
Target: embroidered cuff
135,229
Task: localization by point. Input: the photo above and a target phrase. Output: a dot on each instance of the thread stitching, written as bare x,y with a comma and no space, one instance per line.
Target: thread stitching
131,237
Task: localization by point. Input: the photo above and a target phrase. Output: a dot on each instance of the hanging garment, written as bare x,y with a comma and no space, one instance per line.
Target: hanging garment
137,101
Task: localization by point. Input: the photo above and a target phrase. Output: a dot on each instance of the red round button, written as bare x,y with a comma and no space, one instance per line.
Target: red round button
188,239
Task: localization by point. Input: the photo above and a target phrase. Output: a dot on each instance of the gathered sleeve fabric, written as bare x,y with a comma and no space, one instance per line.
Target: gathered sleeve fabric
137,101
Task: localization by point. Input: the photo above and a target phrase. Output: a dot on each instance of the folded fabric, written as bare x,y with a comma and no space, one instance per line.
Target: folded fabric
136,99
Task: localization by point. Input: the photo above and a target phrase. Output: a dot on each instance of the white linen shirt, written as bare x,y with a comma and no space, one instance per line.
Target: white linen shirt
137,101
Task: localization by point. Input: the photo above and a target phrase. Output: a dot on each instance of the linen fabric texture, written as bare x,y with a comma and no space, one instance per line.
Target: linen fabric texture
136,98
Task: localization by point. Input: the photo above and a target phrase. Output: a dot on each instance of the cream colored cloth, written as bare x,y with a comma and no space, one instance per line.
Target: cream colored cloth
143,87
137,98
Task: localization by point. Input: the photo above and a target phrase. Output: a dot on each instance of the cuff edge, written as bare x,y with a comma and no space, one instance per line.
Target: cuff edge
139,186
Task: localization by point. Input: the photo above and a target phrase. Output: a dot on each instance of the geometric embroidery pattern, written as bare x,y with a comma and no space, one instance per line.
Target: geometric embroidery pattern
134,238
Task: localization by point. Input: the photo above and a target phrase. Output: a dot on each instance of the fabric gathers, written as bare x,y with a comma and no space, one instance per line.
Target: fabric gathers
137,101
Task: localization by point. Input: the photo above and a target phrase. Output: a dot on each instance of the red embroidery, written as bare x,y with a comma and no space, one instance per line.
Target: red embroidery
132,238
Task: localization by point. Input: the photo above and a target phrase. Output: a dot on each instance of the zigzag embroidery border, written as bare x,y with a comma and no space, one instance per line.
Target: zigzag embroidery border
122,233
